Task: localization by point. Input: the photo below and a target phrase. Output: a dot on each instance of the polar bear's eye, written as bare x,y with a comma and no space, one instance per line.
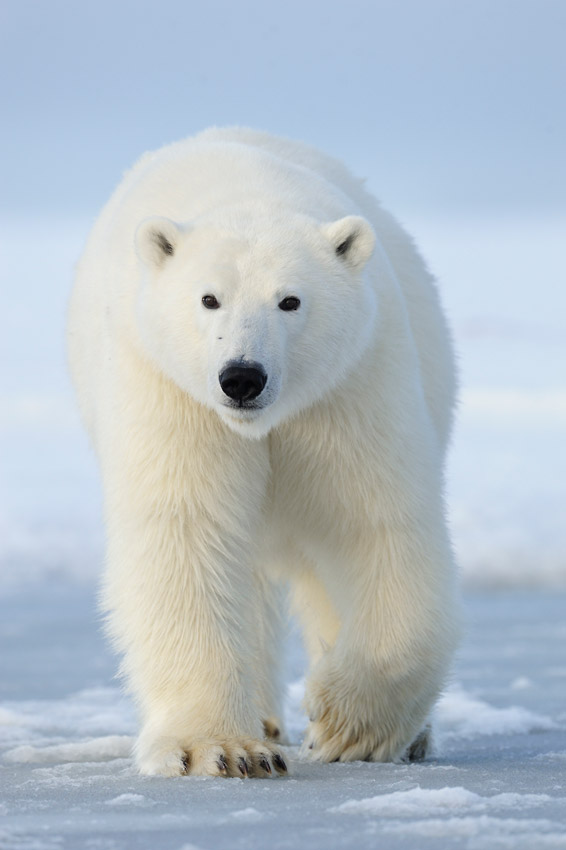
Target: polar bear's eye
290,303
210,302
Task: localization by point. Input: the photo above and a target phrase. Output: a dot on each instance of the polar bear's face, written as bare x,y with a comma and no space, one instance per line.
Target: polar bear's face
255,320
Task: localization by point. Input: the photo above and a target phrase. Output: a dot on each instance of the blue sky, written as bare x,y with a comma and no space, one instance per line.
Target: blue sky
442,104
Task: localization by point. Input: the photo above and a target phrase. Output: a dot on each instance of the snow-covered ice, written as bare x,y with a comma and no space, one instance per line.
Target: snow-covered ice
440,801
94,749
498,778
461,715
67,780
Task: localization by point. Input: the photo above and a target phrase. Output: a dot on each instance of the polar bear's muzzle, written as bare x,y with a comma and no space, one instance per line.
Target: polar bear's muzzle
243,382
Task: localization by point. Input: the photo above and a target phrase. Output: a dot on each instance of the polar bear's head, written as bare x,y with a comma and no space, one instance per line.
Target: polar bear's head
256,316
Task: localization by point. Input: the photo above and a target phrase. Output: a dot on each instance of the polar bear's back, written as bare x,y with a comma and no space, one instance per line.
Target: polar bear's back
295,152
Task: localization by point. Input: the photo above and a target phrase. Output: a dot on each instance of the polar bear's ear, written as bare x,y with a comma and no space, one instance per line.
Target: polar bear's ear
353,240
156,240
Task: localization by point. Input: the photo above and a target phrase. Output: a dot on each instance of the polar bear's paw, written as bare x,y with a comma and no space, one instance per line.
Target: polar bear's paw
235,757
327,745
356,715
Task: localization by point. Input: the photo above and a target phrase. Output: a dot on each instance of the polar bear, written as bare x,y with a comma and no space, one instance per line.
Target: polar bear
263,365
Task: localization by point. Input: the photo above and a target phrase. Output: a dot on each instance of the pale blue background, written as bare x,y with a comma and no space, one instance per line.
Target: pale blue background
454,110
448,104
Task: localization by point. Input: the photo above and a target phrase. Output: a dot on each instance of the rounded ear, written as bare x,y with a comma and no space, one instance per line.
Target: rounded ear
353,240
156,240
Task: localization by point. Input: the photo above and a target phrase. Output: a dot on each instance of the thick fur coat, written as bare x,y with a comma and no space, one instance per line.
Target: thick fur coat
262,363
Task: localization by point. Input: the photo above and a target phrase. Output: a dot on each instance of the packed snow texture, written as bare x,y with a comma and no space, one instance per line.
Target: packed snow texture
67,780
459,716
440,801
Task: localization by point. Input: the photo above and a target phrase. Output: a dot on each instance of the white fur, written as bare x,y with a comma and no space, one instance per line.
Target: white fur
335,485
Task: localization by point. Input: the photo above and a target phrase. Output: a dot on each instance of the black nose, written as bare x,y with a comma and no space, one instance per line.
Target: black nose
243,381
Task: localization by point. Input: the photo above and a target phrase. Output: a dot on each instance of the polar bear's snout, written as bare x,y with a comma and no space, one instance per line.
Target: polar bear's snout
242,381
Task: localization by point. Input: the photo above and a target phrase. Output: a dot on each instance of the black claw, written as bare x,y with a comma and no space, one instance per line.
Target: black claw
222,764
311,745
243,766
263,763
419,748
279,763
186,763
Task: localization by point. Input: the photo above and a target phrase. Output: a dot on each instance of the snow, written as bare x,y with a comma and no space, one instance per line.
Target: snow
93,710
442,801
460,715
95,749
557,756
498,778
520,683
129,800
249,814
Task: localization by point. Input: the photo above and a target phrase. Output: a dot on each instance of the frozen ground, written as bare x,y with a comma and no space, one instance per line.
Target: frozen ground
67,782
499,781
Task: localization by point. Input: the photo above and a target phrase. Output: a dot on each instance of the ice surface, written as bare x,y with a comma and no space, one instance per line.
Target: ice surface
67,781
488,832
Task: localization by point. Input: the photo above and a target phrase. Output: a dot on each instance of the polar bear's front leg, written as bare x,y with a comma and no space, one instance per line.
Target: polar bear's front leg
182,607
183,599
370,695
